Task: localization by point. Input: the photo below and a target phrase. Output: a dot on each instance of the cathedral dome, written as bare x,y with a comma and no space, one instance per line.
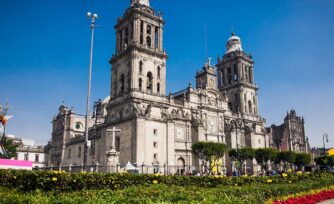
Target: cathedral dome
106,100
142,2
233,44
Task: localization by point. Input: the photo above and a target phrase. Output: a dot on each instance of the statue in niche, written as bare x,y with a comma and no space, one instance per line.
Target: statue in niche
164,114
196,119
141,109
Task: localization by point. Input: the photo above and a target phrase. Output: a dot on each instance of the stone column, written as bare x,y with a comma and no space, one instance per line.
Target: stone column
160,30
112,158
144,34
170,131
140,143
239,68
136,31
242,102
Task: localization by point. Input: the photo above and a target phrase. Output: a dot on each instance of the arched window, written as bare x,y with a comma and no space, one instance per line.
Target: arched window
148,41
158,70
79,151
246,73
140,84
129,82
148,29
235,72
250,75
158,88
122,81
141,31
149,81
156,37
250,107
141,67
229,75
230,105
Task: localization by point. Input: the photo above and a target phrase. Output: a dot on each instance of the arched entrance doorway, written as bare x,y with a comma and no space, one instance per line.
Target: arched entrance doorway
180,165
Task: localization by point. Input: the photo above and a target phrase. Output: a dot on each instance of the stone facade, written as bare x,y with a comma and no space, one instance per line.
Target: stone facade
67,142
36,154
290,136
155,128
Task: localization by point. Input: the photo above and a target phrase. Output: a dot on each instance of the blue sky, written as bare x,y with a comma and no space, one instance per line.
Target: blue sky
44,55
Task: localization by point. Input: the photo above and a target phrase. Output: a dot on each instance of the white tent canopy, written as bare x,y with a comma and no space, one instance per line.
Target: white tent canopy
129,166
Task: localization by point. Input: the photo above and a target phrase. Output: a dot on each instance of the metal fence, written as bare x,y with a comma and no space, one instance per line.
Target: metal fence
139,169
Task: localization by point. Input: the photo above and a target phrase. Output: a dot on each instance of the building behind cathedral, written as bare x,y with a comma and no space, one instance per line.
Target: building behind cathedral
158,129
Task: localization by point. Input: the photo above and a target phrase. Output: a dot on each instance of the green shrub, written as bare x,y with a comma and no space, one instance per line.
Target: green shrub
61,181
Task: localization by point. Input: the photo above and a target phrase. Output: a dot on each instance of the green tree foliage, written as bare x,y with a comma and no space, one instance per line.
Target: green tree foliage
285,158
9,147
208,152
325,161
264,157
241,155
302,160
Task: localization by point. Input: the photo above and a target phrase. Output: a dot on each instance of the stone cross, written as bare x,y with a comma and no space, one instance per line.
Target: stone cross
113,130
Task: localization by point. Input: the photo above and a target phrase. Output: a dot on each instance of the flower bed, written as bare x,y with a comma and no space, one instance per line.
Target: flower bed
60,187
61,181
311,197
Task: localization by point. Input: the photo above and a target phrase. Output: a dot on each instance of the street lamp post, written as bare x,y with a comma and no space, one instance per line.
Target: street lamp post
92,25
325,136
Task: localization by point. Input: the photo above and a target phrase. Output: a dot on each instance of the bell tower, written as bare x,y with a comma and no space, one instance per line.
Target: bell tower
236,78
139,62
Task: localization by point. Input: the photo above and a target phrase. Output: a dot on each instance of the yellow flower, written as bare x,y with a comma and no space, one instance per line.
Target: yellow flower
289,170
269,181
284,175
245,175
236,184
14,177
290,181
54,179
299,173
155,181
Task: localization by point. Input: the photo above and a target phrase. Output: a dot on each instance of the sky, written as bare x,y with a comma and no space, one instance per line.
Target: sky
44,55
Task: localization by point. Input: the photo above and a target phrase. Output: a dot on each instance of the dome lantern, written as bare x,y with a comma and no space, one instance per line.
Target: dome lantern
233,44
142,2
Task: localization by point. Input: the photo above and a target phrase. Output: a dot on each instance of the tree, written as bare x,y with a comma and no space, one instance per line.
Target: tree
285,158
264,156
241,155
9,147
302,159
208,153
325,161
321,161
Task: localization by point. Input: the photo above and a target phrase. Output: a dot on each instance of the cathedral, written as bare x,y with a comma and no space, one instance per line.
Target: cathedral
141,124
290,135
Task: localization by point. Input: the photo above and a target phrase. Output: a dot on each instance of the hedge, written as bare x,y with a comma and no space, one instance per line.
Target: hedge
162,193
61,181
